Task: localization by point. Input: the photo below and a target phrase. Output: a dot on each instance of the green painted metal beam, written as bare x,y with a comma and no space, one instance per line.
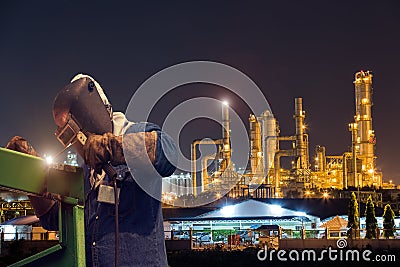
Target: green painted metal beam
66,182
21,172
30,175
73,236
37,256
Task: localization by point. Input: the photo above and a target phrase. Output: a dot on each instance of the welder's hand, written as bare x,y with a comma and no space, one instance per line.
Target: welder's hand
17,143
40,205
101,149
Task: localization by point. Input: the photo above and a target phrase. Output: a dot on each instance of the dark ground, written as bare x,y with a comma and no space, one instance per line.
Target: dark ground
21,249
248,257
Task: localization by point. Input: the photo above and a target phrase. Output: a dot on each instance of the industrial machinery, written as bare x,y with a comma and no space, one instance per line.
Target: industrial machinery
31,175
269,178
218,181
299,177
352,169
265,177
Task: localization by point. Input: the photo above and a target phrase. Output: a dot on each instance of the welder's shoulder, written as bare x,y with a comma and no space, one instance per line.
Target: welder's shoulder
143,127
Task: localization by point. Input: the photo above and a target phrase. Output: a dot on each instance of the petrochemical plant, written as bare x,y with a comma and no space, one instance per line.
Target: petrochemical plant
355,168
265,177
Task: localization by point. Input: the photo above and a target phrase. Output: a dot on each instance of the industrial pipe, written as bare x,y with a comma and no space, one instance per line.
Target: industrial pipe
194,158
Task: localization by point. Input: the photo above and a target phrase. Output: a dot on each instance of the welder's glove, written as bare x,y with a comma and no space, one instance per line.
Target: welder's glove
101,149
98,149
41,205
17,143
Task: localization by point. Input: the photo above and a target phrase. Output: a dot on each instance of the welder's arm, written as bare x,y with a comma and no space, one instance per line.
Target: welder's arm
161,151
101,149
40,204
146,151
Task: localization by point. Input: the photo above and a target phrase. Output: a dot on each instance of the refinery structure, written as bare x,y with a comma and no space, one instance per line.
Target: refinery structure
265,176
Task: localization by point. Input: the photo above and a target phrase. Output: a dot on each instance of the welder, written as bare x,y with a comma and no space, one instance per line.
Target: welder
109,142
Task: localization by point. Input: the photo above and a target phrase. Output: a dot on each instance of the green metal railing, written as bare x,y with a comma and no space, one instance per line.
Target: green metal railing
30,175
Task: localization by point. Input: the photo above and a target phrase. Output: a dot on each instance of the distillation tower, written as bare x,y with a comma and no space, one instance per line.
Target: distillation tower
294,181
362,170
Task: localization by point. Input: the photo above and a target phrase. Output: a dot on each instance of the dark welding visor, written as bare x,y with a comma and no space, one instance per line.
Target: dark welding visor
79,107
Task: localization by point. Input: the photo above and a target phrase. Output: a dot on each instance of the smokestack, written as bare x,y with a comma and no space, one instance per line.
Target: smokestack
321,158
255,145
269,133
301,138
226,133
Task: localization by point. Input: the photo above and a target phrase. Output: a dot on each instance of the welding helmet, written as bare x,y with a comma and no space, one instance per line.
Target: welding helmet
81,107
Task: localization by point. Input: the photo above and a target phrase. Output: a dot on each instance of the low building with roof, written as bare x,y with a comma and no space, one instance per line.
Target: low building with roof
248,214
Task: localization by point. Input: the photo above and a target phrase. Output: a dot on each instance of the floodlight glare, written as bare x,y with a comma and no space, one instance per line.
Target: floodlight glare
276,209
300,213
49,160
228,211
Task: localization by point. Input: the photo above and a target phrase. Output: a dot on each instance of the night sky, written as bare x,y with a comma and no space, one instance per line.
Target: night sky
308,49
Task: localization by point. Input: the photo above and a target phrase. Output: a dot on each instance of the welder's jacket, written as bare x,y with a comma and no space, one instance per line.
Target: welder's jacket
141,232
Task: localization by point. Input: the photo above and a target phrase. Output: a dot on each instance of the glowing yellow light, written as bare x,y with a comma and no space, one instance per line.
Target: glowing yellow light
218,195
225,103
308,193
49,159
325,195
